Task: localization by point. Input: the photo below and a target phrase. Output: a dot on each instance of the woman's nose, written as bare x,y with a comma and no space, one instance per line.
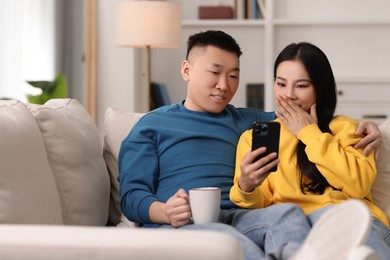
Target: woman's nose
290,92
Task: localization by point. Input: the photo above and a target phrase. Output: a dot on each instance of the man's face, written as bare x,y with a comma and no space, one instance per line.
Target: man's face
212,77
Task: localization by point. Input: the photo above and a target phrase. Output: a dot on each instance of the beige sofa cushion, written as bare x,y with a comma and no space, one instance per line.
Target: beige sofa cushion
74,151
381,187
28,192
117,124
102,243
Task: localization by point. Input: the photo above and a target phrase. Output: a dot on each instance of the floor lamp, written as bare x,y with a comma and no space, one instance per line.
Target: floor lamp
148,24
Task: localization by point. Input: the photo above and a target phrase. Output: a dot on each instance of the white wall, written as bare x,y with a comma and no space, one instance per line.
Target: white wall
117,68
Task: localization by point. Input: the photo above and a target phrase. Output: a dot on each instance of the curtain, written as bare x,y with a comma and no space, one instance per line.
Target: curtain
27,45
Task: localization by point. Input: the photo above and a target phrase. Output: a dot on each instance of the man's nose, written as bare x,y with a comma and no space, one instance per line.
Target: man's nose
223,83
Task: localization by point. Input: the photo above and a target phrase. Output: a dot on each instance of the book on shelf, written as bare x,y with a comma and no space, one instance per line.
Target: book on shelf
255,95
250,9
261,5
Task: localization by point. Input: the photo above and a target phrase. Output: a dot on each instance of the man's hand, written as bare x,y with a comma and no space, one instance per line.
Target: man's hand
254,173
372,138
178,209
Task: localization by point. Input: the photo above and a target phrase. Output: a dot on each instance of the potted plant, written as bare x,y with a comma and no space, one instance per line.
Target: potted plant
50,89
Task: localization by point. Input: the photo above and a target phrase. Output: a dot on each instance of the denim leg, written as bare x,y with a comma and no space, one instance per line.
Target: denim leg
279,230
251,250
379,238
315,215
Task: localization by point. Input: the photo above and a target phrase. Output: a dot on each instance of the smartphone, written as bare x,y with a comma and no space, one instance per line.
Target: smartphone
266,134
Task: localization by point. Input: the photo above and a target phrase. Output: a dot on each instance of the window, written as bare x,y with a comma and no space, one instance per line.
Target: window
27,45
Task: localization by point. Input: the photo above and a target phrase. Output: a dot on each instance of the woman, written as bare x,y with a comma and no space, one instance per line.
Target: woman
318,164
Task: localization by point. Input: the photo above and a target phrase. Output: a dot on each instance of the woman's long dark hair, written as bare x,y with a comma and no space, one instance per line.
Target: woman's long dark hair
321,76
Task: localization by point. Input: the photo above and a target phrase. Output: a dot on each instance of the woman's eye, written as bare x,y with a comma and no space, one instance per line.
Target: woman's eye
280,84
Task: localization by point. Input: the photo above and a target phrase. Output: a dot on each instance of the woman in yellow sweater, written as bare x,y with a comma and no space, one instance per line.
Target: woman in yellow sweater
318,165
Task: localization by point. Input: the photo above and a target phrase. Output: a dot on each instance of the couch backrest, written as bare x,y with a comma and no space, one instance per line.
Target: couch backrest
118,123
28,192
381,187
52,165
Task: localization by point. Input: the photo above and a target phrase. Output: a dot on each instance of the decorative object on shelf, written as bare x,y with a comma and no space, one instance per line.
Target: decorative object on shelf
160,96
148,24
255,95
215,12
50,89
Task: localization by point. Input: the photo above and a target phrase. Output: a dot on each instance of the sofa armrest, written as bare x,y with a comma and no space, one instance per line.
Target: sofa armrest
73,242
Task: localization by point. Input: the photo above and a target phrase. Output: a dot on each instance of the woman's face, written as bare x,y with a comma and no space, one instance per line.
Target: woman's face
293,81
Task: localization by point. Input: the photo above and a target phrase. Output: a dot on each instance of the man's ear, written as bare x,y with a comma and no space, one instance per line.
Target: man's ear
185,70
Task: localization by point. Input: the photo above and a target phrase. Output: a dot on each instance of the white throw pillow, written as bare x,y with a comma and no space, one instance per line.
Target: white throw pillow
117,124
28,192
75,154
381,187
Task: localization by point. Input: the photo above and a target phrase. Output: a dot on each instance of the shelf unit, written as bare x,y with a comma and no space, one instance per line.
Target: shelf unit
355,42
355,35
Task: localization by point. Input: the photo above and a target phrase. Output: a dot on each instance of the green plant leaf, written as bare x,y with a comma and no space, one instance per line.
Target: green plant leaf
44,85
50,89
60,89
34,99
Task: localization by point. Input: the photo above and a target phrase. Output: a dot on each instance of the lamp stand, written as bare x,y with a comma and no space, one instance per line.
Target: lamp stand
136,27
148,77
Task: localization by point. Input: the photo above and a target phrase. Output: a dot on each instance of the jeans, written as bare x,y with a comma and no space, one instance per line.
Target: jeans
278,230
275,232
379,238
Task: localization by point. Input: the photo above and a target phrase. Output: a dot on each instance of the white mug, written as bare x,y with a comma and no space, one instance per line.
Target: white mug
205,204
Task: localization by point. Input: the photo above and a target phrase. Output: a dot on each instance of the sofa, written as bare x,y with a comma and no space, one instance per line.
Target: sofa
59,192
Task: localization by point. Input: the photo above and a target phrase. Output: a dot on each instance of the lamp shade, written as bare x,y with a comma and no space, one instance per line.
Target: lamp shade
156,24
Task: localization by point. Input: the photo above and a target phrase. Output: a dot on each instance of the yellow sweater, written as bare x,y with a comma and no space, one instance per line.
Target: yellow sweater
344,167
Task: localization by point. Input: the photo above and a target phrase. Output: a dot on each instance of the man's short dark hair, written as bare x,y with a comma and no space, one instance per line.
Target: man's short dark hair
214,38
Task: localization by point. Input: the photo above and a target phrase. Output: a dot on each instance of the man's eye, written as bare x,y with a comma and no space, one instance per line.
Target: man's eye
233,76
214,72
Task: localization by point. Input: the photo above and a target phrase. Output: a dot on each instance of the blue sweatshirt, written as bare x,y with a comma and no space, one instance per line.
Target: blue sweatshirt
172,148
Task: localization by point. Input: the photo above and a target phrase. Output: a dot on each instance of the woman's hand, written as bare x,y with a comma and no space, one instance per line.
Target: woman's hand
372,138
293,116
254,173
178,209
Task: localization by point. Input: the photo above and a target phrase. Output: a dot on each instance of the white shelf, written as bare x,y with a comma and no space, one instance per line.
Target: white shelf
363,80
331,22
224,23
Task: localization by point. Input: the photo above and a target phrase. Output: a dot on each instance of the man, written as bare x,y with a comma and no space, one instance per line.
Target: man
193,144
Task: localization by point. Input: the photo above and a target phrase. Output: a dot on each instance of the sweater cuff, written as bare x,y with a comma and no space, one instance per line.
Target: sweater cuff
143,208
308,132
248,197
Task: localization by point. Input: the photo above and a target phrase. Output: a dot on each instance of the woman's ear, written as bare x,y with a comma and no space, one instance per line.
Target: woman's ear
185,70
